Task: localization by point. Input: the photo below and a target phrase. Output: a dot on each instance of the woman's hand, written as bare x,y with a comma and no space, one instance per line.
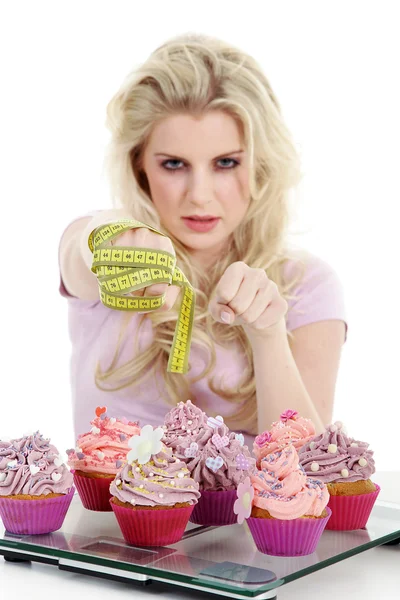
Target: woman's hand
144,238
245,296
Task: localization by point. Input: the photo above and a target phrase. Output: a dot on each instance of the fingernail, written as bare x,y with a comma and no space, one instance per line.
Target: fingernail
225,317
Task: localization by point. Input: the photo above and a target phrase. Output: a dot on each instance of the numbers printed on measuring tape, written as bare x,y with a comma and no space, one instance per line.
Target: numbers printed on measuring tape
122,270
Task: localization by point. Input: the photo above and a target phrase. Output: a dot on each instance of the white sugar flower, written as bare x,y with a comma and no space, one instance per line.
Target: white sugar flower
145,444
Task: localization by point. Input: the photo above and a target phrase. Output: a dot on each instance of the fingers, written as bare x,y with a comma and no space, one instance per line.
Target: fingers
144,238
271,315
230,282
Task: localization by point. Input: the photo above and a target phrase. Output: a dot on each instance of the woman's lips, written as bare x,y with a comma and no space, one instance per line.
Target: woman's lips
201,226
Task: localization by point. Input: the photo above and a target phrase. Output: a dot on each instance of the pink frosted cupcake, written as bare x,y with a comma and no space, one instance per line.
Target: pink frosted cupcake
98,456
291,429
153,495
287,512
346,466
36,487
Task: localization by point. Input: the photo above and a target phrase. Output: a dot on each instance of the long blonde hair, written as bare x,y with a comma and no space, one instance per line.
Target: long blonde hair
195,74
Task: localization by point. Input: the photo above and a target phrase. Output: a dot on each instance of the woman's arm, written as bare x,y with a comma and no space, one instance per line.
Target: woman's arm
75,258
298,374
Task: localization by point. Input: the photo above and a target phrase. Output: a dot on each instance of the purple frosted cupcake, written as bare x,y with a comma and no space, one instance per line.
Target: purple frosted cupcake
216,458
153,495
345,465
35,485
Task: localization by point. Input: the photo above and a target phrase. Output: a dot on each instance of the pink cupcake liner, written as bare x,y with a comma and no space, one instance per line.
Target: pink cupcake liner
215,508
296,537
94,492
30,517
351,512
152,527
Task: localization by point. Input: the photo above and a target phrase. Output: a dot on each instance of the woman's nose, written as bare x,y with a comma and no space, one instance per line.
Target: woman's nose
200,189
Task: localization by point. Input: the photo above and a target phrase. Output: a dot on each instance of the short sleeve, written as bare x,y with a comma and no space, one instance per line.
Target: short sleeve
317,296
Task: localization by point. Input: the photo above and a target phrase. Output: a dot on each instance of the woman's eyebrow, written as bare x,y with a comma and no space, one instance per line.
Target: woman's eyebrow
184,159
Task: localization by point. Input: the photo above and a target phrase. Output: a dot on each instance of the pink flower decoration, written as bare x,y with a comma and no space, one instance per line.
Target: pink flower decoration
263,438
289,414
244,502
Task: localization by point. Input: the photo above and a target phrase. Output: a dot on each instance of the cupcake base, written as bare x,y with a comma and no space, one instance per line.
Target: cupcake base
351,512
149,527
94,492
33,517
296,537
215,508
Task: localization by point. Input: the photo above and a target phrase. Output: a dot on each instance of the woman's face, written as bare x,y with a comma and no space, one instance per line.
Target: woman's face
197,167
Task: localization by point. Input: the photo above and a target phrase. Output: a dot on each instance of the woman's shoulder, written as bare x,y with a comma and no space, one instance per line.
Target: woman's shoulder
314,288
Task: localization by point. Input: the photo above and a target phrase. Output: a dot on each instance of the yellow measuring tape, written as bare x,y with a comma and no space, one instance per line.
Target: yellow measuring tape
121,270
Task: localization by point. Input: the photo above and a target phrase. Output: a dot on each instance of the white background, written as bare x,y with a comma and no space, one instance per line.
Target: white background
334,67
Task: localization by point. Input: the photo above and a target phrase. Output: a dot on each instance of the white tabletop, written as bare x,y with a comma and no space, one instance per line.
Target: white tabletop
371,574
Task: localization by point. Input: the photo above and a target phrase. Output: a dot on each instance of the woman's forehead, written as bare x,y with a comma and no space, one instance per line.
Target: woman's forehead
215,133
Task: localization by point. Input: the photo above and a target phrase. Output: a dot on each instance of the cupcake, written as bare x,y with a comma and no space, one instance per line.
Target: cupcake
217,460
290,429
98,456
36,487
345,465
153,494
287,512
187,426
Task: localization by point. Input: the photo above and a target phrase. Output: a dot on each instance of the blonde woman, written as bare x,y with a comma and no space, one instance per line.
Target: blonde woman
199,151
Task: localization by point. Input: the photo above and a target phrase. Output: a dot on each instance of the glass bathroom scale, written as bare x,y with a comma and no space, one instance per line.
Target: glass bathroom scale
218,560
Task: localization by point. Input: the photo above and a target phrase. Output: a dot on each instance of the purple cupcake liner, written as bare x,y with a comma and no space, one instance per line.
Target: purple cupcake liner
152,527
296,537
215,508
94,492
351,512
30,517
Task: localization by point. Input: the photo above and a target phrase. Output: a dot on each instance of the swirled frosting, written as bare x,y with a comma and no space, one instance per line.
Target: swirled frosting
222,463
290,429
104,448
283,489
32,466
216,458
335,457
163,481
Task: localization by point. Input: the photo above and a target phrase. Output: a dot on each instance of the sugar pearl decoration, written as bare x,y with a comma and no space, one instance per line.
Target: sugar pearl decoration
172,482
344,473
137,470
362,462
314,467
332,448
190,422
117,482
141,486
183,427
151,474
161,495
181,475
133,501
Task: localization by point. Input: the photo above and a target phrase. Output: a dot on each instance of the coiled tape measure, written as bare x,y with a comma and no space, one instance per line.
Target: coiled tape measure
121,270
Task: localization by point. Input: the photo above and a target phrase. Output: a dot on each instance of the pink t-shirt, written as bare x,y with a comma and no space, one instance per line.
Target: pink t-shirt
94,331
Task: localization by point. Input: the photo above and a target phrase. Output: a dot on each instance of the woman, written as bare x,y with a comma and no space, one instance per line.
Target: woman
200,152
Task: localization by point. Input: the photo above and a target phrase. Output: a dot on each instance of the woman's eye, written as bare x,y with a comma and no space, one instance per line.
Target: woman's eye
171,164
228,163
